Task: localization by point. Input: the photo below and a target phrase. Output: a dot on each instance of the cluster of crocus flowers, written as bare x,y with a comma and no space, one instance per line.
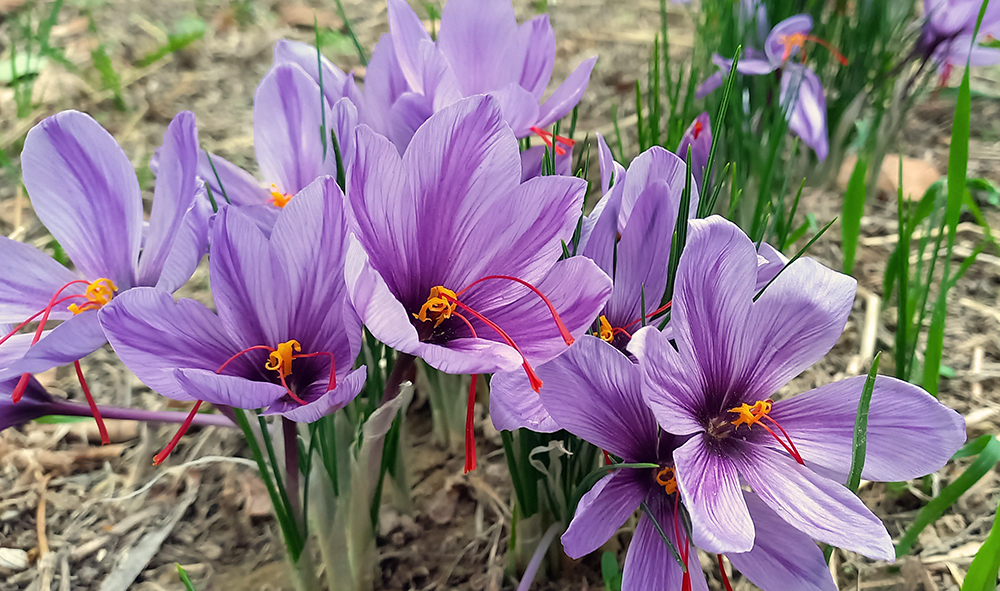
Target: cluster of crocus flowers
946,36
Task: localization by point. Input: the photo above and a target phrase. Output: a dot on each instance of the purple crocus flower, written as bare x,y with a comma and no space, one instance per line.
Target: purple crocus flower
84,189
714,382
289,112
698,138
480,49
454,260
595,392
946,35
283,337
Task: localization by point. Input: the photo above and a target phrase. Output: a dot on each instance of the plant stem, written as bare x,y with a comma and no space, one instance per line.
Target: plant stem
400,373
291,439
536,558
75,409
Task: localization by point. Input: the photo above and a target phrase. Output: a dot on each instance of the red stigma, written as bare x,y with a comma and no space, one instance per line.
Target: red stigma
683,547
725,577
158,458
790,42
548,137
563,331
470,428
101,427
698,127
753,415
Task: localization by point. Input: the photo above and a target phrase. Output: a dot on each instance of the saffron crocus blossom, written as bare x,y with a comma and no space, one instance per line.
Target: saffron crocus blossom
84,189
454,260
946,35
480,49
698,138
732,354
283,338
594,392
289,114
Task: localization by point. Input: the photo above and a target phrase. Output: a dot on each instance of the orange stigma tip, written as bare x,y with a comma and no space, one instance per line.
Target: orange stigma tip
98,292
606,332
278,198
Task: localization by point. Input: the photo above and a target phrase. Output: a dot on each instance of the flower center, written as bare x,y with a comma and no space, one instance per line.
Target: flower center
607,333
667,479
798,41
753,415
552,141
440,305
280,360
279,199
98,292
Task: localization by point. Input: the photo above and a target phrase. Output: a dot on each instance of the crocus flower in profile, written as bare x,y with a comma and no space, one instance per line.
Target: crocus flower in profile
946,34
454,260
697,138
84,189
283,339
480,49
713,380
595,392
289,114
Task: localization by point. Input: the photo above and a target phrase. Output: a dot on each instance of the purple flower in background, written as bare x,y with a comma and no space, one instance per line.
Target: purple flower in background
480,49
594,392
84,189
946,36
732,354
697,137
454,260
801,88
289,112
283,337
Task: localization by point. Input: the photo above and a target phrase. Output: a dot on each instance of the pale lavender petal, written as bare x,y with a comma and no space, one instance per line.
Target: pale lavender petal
469,356
709,482
655,164
769,262
177,186
569,93
643,256
782,556
822,509
594,392
777,40
28,280
384,84
190,245
793,324
755,67
348,387
84,189
74,339
807,116
649,564
406,116
539,39
153,335
513,404
910,433
227,390
604,509
519,108
309,59
710,84
342,122
438,79
481,42
230,183
407,33
607,163
674,397
288,114
599,233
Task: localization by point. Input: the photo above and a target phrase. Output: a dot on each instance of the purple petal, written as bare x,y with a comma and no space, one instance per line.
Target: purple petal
643,255
698,138
286,123
649,564
84,189
74,339
782,556
406,116
594,392
227,390
513,404
469,356
176,187
604,509
755,67
774,46
342,122
569,93
655,164
29,279
310,244
531,163
348,387
384,84
674,397
910,433
821,508
305,56
519,108
407,33
35,403
807,116
769,262
709,86
190,245
539,40
709,482
231,182
480,40
153,335
796,321
607,163
438,79
599,234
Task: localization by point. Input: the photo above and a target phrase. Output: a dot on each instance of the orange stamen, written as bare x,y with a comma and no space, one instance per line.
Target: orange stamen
278,198
752,415
437,307
101,427
798,40
280,360
665,478
470,428
606,332
158,458
563,331
99,292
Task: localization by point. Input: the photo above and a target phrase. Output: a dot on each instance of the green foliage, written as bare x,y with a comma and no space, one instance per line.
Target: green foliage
860,440
609,572
110,80
186,32
29,51
982,575
188,585
853,209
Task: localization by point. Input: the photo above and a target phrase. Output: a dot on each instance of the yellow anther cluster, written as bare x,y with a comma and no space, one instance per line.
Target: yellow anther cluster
279,199
667,479
606,333
751,415
99,292
280,360
440,305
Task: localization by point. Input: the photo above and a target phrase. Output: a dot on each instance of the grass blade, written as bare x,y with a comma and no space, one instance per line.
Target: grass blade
982,575
861,429
188,585
851,212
